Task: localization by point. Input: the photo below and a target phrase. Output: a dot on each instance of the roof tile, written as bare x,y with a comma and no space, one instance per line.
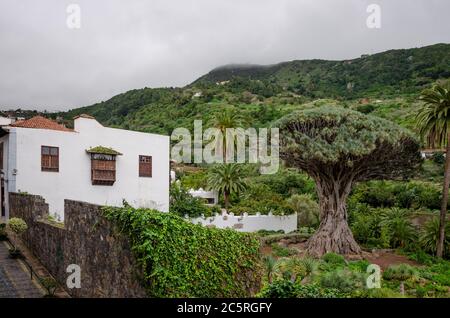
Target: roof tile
39,122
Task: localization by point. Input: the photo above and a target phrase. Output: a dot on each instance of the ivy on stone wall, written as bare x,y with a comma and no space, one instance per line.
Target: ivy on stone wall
180,259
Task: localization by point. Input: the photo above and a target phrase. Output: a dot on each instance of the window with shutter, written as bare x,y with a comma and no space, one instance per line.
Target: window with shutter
145,166
49,158
103,169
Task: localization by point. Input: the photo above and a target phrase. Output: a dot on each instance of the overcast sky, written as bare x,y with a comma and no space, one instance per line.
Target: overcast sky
123,45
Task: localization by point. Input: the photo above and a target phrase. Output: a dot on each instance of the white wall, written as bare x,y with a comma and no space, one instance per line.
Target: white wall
203,194
73,181
250,223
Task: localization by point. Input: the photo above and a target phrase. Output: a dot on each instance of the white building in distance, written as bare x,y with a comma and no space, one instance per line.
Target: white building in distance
90,163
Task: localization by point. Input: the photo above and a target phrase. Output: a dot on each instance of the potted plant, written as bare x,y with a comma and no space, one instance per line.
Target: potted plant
17,227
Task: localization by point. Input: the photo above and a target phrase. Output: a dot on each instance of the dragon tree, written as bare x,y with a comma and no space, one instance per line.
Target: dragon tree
337,148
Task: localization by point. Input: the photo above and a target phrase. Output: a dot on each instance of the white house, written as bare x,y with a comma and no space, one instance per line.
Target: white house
90,163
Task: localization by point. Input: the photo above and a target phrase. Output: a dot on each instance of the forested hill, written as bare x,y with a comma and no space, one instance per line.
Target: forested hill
393,71
264,93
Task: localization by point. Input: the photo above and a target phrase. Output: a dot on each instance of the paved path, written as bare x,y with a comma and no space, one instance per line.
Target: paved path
15,281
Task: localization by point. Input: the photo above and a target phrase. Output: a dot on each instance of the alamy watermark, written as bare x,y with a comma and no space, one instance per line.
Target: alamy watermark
73,20
373,21
234,145
74,278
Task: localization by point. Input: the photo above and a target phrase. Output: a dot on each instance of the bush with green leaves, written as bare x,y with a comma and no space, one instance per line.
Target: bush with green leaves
333,258
429,236
307,210
438,157
181,259
366,108
259,197
283,288
316,291
400,272
411,194
194,180
376,293
17,225
287,182
401,231
282,251
183,203
344,280
280,288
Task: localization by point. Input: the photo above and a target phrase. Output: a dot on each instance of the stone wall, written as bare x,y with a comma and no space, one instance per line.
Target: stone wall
107,267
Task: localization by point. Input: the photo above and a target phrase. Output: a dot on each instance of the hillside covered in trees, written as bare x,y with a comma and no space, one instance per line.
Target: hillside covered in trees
386,84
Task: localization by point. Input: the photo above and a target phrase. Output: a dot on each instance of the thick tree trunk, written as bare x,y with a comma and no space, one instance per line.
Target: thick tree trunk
333,234
226,199
443,214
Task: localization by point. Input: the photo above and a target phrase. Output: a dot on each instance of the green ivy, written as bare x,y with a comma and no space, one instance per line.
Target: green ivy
180,259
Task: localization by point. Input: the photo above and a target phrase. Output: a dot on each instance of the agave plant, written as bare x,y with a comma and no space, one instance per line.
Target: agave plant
291,268
270,264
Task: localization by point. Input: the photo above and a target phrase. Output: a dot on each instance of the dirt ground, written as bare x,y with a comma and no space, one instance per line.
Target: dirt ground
383,258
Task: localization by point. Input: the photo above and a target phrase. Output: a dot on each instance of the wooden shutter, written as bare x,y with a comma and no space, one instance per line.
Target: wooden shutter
145,166
49,158
103,169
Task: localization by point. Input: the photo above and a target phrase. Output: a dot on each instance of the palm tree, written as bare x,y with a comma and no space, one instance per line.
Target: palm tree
226,119
434,123
226,179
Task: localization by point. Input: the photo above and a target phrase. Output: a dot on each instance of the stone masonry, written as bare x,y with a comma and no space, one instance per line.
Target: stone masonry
87,239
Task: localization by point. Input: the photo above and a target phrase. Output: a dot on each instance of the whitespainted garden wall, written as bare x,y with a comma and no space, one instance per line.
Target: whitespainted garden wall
250,223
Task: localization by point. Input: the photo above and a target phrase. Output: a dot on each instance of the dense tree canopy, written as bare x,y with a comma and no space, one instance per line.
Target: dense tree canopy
338,147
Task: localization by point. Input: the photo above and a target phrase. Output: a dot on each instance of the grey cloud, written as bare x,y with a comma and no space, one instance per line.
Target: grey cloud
132,44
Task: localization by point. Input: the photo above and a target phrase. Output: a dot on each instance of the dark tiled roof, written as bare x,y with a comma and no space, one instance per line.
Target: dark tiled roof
39,122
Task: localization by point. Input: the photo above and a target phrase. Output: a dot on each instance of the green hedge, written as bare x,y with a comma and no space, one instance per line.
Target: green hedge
181,259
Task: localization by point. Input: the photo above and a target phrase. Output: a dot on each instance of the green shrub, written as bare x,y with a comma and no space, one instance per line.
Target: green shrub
333,258
438,157
365,109
291,268
343,280
377,293
400,228
194,180
181,259
430,234
282,251
17,225
359,266
385,194
307,209
315,291
438,272
183,203
400,272
281,288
